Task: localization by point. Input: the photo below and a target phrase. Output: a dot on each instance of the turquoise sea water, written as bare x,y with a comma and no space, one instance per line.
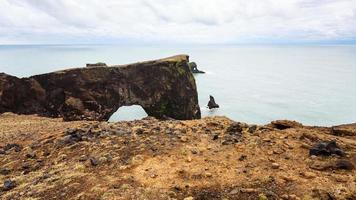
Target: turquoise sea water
315,85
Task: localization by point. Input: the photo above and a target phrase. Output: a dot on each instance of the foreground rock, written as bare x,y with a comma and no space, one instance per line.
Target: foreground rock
164,88
211,158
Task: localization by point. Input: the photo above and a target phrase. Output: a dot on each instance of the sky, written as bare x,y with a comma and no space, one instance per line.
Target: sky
177,21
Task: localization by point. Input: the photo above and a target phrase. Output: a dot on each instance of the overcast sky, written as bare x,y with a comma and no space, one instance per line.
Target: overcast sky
176,21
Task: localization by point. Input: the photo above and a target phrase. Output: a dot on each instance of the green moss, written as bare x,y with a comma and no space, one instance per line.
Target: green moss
181,71
163,108
262,197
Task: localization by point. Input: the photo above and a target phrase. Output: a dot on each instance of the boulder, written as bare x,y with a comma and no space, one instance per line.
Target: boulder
326,148
164,88
8,185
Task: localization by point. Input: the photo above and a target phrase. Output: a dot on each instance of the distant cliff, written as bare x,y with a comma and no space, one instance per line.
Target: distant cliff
164,88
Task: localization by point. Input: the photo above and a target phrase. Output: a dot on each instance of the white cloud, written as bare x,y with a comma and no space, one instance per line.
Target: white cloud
198,21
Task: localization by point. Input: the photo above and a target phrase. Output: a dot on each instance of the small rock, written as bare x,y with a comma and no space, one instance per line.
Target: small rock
322,194
308,175
93,161
207,174
139,131
103,159
62,157
83,158
242,157
252,128
278,151
305,146
234,191
248,190
184,139
189,198
153,175
275,165
194,151
30,154
17,147
8,185
72,136
234,128
4,171
288,178
285,196
266,139
189,159
343,164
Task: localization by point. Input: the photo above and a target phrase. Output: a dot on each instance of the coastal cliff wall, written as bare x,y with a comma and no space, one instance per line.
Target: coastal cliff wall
164,88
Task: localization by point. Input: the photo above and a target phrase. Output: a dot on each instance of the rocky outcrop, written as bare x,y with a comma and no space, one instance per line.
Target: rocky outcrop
164,88
194,68
344,130
285,124
211,103
99,64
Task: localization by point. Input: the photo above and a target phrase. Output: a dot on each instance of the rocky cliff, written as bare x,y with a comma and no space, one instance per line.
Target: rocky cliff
164,88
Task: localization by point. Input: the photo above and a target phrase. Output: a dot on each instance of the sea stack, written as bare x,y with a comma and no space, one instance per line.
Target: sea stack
194,68
211,103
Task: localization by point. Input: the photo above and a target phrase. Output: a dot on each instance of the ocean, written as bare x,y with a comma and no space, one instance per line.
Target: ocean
312,84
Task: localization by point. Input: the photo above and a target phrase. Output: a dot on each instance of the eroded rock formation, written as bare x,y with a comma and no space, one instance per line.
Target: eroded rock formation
194,68
164,88
211,103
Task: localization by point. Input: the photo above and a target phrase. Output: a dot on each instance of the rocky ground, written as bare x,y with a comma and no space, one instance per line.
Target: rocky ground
211,158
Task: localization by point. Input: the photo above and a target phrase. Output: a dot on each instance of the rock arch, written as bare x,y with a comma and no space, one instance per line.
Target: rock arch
125,113
164,88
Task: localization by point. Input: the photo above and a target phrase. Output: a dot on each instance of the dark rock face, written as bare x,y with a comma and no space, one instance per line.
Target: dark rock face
211,103
326,148
164,88
194,68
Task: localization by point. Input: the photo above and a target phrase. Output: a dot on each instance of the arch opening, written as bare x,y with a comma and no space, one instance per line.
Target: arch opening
128,113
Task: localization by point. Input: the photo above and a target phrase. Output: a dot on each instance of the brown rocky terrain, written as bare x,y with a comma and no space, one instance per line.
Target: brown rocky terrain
209,158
